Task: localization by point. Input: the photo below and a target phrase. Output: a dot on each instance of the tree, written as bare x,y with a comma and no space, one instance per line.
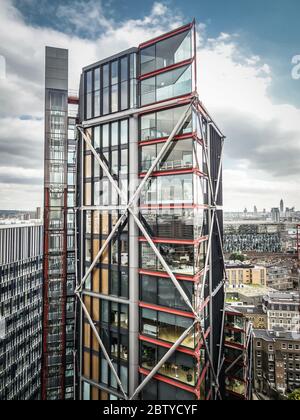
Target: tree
237,257
295,396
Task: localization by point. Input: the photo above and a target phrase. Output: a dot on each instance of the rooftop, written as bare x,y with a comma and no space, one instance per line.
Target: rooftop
276,334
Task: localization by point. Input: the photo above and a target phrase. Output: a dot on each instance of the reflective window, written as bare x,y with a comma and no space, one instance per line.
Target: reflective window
181,367
167,327
179,155
167,52
161,124
168,189
161,291
172,223
182,259
168,85
174,83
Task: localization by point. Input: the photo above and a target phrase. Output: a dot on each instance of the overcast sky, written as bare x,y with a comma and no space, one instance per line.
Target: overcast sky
245,65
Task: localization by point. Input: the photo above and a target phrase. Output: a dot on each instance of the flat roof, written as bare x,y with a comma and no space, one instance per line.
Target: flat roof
276,335
20,225
111,58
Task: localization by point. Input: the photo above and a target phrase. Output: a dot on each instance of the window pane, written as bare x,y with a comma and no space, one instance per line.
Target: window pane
173,50
124,95
105,135
89,106
124,132
97,79
148,59
174,83
114,134
97,137
89,83
114,72
105,75
97,103
124,161
105,101
124,69
133,66
148,127
148,91
114,98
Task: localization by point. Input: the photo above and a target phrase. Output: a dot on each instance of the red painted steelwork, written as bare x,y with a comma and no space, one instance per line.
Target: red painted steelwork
166,310
166,35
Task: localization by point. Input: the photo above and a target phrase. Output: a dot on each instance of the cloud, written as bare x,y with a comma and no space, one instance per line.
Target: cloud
262,153
262,147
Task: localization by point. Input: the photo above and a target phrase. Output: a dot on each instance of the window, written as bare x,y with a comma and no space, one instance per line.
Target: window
179,155
164,86
180,258
161,124
166,327
169,189
148,62
167,52
179,367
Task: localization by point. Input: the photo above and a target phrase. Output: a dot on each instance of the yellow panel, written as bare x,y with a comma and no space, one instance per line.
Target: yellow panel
95,369
104,282
104,395
95,394
88,166
87,335
87,302
96,309
96,281
88,194
96,218
105,255
86,365
96,247
105,223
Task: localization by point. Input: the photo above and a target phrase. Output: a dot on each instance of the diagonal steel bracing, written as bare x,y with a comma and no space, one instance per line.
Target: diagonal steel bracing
130,207
101,345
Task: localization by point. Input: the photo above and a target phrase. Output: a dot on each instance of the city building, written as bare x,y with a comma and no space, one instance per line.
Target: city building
243,273
151,269
252,236
21,279
280,278
59,225
276,362
247,295
254,314
238,355
275,213
281,207
283,311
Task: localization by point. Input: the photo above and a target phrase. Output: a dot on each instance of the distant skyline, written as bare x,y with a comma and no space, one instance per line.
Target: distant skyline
245,56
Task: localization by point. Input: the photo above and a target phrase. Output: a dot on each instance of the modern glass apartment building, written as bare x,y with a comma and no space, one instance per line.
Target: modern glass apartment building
21,277
151,272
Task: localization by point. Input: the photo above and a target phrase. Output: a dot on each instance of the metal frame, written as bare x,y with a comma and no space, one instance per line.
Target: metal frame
130,208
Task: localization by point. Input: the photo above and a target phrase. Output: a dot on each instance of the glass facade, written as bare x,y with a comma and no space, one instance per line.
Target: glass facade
167,52
171,84
128,292
184,223
59,245
167,327
21,278
111,87
180,367
161,291
182,259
